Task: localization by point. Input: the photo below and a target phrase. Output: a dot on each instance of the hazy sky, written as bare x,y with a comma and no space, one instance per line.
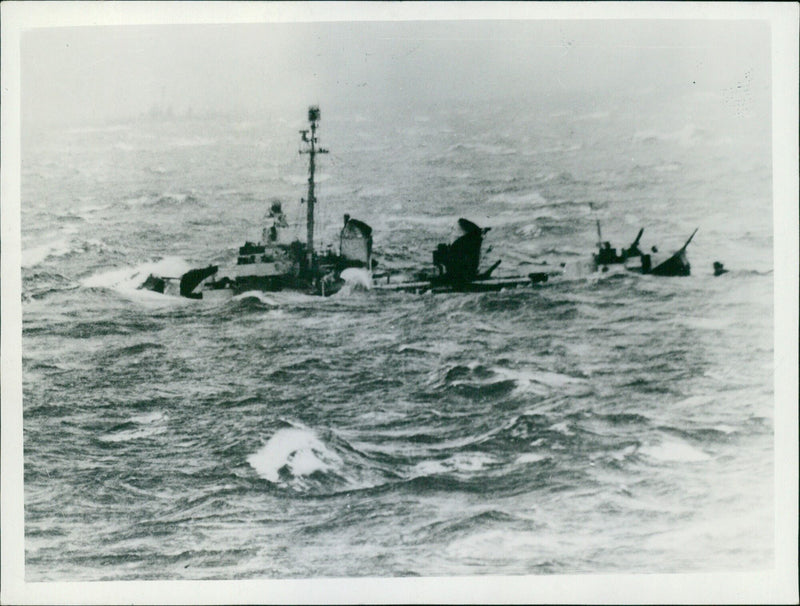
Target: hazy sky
106,72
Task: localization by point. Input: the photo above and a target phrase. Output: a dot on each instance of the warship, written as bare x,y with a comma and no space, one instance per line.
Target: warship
456,268
279,261
634,260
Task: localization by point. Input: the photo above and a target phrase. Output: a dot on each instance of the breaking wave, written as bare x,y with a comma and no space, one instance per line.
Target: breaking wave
531,198
300,459
164,200
462,463
36,255
128,280
291,454
138,427
256,295
61,247
356,279
673,450
484,379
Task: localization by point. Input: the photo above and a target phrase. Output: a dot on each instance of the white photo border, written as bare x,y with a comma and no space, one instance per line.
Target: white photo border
778,585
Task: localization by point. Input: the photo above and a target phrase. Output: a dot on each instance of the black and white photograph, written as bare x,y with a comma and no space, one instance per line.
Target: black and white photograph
497,295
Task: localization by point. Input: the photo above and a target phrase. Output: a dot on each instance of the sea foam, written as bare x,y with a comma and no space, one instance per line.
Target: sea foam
128,280
147,425
36,255
356,278
297,451
256,294
675,450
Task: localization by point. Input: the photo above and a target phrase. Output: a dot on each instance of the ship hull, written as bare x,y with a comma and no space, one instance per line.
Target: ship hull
220,288
676,265
474,286
673,265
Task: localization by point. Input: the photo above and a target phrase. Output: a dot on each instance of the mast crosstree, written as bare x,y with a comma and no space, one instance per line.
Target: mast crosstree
312,150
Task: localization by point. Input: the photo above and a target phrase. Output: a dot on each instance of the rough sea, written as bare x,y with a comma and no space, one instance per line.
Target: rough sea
603,423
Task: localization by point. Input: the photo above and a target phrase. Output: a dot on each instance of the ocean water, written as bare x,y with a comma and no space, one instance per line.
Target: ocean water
611,423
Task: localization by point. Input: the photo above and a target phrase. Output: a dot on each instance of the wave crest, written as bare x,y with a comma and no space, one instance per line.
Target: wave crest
299,459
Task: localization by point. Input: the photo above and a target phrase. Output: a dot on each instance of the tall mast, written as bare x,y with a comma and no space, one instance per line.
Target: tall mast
312,151
599,234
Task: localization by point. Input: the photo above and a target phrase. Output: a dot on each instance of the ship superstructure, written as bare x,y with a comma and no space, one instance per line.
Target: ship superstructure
279,261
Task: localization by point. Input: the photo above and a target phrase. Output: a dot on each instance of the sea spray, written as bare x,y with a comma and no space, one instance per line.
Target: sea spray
293,453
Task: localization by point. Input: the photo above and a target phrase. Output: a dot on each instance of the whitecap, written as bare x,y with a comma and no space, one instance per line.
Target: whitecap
728,377
151,424
529,198
531,457
256,294
536,381
531,230
127,281
415,348
298,451
133,434
714,323
671,449
554,379
621,455
458,463
483,327
562,428
129,277
698,400
149,417
357,278
428,468
34,256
